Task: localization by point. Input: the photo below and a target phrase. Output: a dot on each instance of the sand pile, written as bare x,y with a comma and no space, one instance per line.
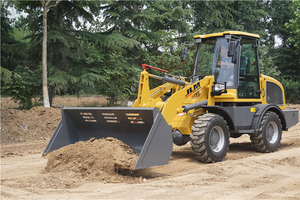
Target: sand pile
108,160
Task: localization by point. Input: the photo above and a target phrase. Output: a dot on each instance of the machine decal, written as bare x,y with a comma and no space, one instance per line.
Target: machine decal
192,89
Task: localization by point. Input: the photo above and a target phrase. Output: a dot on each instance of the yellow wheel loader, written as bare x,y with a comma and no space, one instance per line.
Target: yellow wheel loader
226,96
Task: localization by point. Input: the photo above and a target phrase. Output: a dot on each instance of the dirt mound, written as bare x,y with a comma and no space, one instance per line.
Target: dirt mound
38,123
108,160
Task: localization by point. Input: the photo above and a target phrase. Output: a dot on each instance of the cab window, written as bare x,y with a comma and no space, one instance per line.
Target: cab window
223,67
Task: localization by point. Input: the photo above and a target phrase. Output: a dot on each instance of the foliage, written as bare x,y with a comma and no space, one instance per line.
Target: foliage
121,77
292,90
294,26
268,68
214,16
98,46
22,85
285,56
5,76
151,23
13,50
71,67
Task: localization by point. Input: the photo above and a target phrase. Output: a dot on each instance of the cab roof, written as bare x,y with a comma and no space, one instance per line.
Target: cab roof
227,33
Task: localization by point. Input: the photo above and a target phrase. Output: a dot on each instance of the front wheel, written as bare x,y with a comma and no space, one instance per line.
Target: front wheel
210,138
269,135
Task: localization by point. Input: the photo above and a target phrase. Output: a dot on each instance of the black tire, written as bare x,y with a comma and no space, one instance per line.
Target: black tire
210,138
269,135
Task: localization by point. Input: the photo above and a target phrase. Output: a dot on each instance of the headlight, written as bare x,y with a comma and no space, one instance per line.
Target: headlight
219,87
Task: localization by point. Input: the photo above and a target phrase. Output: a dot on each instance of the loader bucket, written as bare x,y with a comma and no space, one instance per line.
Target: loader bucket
144,129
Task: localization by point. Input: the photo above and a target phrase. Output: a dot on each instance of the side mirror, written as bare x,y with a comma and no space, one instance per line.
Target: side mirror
231,49
183,54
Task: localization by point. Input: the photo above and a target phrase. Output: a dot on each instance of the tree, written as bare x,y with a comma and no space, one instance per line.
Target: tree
6,37
285,56
150,23
17,81
157,26
71,46
294,26
93,45
212,16
34,8
120,78
13,49
46,6
22,85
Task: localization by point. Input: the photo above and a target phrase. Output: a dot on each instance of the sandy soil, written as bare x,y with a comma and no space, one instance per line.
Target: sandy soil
244,174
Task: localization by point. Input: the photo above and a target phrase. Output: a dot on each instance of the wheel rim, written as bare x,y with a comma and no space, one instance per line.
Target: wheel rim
272,132
217,139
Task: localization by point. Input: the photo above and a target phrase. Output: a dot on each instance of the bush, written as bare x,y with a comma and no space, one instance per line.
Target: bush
22,85
292,90
120,76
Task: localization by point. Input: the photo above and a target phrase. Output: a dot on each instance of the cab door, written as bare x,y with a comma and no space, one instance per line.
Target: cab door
248,83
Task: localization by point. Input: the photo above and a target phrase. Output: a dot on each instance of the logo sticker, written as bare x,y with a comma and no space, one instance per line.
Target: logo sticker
192,89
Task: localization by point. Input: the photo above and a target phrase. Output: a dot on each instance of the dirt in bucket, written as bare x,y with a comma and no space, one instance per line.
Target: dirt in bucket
106,159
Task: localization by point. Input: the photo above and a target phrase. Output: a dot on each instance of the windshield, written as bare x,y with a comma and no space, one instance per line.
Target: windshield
212,59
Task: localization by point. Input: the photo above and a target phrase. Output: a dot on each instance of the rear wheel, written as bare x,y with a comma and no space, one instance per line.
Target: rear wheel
210,138
269,136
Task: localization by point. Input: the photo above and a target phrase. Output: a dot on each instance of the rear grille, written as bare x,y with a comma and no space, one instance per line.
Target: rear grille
274,94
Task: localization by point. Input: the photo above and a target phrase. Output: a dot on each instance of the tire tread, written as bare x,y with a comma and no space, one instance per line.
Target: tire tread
198,137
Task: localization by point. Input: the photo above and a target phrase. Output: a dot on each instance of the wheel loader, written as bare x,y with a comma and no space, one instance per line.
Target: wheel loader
226,96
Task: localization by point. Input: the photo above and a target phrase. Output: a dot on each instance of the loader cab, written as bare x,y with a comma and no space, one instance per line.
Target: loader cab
233,60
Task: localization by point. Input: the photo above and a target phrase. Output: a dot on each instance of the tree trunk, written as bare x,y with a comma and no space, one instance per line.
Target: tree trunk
44,58
46,6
